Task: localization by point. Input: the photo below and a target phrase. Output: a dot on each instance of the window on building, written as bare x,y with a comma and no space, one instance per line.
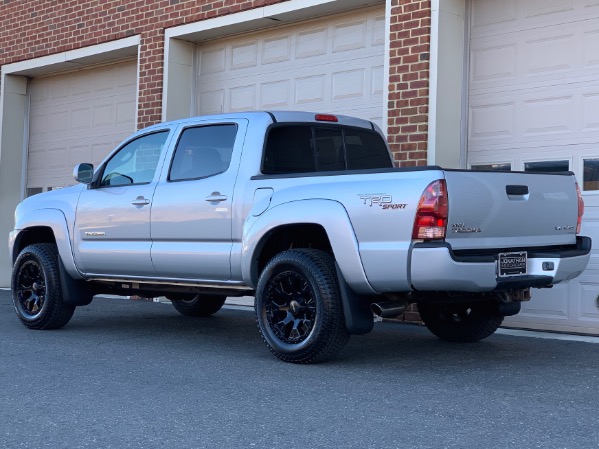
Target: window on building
590,175
34,190
503,166
547,166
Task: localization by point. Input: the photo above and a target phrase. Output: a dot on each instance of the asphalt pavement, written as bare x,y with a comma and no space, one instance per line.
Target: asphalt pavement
136,374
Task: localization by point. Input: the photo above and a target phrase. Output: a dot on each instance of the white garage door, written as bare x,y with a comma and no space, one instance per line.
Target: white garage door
77,117
334,64
534,105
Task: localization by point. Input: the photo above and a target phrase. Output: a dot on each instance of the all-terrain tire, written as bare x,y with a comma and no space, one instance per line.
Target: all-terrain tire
298,307
461,322
199,305
37,290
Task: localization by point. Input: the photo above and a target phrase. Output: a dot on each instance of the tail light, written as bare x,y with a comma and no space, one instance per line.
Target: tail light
580,209
431,215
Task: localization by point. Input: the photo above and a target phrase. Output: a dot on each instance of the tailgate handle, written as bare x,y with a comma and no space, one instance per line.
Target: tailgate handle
516,190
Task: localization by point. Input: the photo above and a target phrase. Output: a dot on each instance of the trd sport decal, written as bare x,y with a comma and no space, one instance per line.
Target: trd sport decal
382,200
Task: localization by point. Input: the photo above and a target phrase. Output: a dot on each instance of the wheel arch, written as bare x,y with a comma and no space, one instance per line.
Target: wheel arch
328,227
45,226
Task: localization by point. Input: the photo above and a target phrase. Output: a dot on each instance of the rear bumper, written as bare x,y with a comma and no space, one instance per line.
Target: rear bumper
436,267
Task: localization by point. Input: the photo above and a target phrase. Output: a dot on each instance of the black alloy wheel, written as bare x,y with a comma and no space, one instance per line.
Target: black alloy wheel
290,307
31,288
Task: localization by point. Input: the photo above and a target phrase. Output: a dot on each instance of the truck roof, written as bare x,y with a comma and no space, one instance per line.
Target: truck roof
281,116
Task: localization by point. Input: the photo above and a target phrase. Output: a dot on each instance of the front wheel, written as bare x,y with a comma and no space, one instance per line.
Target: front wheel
198,305
461,322
299,311
36,288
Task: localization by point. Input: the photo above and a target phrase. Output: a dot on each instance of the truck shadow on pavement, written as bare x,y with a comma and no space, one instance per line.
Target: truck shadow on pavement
234,332
152,328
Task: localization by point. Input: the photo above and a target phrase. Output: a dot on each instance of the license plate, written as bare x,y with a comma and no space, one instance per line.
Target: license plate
512,264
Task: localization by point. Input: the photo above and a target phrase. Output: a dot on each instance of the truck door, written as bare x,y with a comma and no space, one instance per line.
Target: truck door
112,224
191,211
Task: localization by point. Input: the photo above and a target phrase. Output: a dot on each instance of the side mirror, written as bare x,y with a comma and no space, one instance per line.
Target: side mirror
84,173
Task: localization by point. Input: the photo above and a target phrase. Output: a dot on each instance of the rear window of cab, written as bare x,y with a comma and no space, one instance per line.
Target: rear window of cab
302,148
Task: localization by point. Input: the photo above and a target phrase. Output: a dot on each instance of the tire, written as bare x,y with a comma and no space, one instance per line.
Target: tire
461,322
298,307
36,288
199,305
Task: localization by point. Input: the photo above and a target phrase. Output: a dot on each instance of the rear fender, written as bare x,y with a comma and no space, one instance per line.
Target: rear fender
331,215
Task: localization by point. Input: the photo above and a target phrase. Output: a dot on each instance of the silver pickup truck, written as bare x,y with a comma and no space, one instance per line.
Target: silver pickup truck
306,213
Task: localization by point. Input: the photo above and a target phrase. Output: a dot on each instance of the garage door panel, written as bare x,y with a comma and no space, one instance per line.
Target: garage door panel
275,94
349,36
489,12
309,44
550,54
331,64
242,98
534,8
78,117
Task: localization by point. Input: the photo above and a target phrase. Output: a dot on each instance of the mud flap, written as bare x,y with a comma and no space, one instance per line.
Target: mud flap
359,319
74,292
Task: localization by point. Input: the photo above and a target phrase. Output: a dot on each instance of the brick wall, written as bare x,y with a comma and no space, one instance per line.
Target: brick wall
409,81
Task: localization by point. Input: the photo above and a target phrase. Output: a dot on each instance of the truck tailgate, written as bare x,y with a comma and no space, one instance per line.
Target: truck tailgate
510,209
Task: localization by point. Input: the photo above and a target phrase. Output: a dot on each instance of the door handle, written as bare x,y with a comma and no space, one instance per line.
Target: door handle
216,197
140,201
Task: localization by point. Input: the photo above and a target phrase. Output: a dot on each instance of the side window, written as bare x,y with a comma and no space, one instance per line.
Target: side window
203,151
136,162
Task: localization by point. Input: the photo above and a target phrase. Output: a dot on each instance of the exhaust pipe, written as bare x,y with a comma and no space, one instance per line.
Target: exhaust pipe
388,309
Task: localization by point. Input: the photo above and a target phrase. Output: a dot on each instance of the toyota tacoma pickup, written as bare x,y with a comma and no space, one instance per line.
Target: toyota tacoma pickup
306,213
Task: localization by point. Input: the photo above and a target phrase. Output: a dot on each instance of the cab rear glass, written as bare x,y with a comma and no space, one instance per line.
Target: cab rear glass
305,148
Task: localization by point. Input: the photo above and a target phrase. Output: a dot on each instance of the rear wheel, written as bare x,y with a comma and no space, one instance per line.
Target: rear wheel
461,322
298,307
36,288
198,305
